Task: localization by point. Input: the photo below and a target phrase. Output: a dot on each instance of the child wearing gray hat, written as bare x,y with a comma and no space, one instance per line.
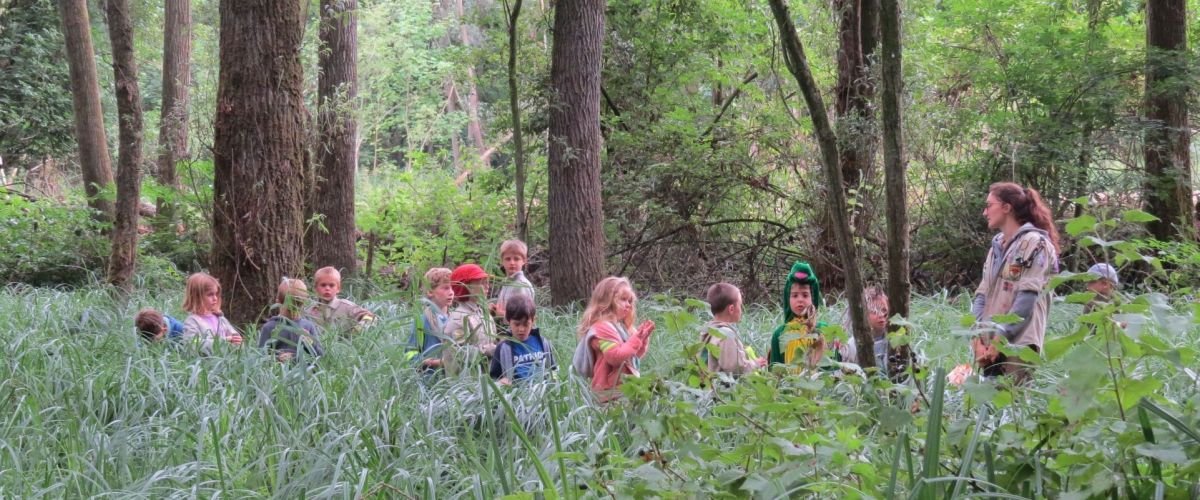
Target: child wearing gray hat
1104,286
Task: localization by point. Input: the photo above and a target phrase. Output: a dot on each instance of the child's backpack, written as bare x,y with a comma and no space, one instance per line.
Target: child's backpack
583,362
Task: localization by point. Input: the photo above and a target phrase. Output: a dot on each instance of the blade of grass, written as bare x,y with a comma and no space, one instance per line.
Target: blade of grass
1148,434
933,436
969,456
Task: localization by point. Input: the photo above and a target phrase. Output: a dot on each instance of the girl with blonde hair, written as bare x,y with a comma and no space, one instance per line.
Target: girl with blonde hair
605,328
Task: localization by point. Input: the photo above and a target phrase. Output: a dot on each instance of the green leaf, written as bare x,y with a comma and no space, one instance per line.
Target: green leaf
1006,319
1080,225
1171,453
891,418
1137,216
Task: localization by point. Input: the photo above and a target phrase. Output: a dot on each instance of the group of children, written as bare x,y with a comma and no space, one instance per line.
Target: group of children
459,330
292,332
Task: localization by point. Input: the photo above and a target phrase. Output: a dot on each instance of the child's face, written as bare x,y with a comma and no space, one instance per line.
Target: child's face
513,262
623,305
212,299
328,288
800,299
877,315
162,331
442,295
521,328
1100,287
478,289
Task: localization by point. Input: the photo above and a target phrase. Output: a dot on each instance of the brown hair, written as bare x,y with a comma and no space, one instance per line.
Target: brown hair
149,324
519,308
436,277
721,296
514,246
197,285
1027,206
291,295
602,306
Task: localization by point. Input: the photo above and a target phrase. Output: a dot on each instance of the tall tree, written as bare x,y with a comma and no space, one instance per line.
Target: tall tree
827,141
177,78
858,26
258,153
337,152
85,91
129,112
513,14
575,212
1168,167
895,171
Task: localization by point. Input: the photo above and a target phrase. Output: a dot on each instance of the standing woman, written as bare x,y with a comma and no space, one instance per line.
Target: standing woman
1023,257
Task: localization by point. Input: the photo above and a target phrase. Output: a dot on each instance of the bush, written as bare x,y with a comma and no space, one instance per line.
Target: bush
422,219
44,242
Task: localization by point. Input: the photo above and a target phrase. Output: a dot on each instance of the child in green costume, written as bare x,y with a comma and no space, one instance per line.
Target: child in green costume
798,343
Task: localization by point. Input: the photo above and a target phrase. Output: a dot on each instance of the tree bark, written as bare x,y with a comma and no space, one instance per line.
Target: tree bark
895,169
514,103
258,154
337,154
176,84
85,92
797,64
857,39
1168,182
575,211
129,111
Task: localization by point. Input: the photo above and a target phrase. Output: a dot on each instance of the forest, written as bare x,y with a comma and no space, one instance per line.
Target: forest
679,144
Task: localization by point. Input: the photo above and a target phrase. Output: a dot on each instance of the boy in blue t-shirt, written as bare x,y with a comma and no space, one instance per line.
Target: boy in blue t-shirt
527,355
154,326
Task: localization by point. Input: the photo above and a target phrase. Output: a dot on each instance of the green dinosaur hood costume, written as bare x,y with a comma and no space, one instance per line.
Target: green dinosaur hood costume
803,274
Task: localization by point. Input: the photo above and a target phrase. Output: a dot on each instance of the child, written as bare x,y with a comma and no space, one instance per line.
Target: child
206,324
512,256
469,326
289,334
154,326
798,343
725,302
877,320
1104,286
525,356
605,327
332,313
426,339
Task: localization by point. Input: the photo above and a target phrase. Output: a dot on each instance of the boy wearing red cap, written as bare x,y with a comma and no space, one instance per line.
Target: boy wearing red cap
470,326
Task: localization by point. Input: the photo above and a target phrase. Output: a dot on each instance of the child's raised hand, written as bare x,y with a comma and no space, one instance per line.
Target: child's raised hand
235,339
762,362
646,328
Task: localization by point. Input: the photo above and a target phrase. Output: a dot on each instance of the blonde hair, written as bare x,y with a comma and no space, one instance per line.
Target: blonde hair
292,294
514,246
329,271
199,284
435,277
602,306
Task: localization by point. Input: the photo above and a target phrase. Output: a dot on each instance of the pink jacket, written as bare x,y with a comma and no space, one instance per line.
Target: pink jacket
611,363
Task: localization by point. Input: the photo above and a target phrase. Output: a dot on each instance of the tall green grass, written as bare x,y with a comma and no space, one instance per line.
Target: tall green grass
87,410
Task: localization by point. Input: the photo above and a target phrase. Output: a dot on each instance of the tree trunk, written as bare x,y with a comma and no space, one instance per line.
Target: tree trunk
176,82
797,64
89,118
895,169
576,218
129,111
258,154
857,28
337,156
1168,169
514,103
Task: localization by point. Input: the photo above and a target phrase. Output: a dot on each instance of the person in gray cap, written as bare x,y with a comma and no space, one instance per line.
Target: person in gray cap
1104,286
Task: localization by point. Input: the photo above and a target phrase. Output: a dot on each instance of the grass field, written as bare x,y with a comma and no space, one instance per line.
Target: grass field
87,410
